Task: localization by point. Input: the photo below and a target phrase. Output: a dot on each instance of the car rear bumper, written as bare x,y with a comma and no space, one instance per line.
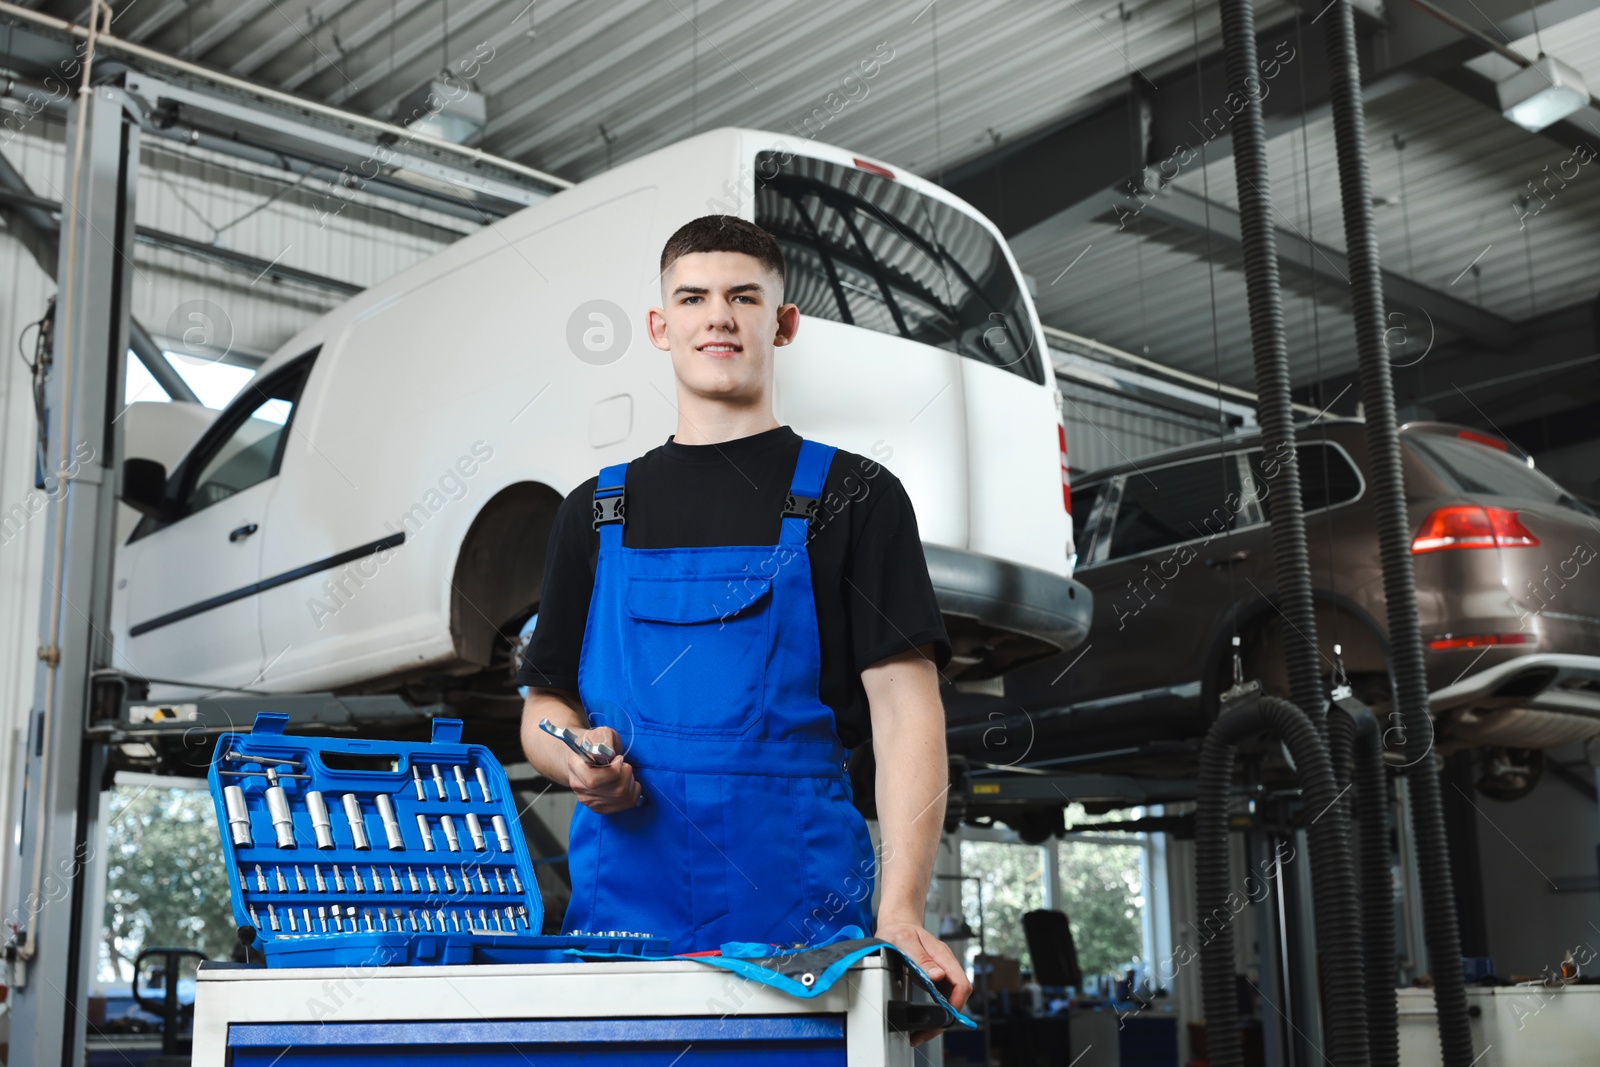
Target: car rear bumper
1560,682
1001,615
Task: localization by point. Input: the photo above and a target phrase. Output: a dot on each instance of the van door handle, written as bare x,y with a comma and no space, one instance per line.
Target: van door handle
241,532
1230,559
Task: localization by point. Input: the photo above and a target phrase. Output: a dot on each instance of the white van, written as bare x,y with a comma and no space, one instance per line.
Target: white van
371,512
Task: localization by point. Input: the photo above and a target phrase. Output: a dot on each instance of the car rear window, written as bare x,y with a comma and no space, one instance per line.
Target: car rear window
1469,467
873,252
1084,500
1169,505
1327,477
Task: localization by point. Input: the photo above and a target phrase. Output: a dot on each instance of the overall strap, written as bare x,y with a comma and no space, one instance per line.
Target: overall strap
610,507
805,488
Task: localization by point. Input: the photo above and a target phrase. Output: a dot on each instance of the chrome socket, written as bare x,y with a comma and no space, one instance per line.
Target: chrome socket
391,826
427,832
475,829
278,808
238,815
450,838
358,826
501,832
321,825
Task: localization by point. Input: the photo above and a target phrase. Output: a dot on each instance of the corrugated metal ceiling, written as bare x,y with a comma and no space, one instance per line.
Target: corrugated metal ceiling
654,71
573,88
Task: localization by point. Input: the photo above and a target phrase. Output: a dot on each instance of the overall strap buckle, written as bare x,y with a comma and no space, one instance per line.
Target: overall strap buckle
609,496
609,509
802,507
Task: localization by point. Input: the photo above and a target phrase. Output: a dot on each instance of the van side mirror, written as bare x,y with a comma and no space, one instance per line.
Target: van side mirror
144,488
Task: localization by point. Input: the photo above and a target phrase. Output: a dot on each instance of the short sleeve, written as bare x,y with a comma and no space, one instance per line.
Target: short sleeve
890,596
551,658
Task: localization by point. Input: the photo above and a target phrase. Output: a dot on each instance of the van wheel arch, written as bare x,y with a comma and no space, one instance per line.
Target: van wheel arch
499,571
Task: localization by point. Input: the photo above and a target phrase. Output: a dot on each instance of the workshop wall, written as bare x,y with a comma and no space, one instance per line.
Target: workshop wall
1540,890
1105,428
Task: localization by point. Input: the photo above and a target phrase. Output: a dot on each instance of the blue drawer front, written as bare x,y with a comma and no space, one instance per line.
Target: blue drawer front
804,1040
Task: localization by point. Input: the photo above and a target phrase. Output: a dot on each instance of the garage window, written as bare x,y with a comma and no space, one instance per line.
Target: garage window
872,252
1109,884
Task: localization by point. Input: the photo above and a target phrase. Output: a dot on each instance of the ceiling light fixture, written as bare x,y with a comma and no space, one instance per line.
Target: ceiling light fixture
1541,94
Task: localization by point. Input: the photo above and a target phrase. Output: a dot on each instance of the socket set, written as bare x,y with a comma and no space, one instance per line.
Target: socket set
345,851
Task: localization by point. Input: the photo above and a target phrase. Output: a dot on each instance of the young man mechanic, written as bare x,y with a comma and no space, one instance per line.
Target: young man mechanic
729,612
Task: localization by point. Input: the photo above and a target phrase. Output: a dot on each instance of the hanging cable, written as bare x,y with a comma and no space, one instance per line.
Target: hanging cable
1216,343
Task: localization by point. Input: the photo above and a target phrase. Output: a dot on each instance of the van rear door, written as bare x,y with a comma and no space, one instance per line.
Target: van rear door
889,254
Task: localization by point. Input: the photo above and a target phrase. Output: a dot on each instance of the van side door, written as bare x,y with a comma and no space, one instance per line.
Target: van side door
192,581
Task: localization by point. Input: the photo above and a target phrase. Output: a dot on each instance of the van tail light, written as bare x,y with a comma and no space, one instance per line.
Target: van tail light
1066,483
1478,641
1470,526
873,168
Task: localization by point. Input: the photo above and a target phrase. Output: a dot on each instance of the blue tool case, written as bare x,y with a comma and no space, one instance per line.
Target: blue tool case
354,852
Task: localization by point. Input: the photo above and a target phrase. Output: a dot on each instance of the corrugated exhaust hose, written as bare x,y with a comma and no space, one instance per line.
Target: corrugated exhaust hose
1394,540
1357,753
1268,342
1333,884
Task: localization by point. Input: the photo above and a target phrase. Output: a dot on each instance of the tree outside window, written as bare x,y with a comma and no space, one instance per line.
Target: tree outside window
165,882
1102,886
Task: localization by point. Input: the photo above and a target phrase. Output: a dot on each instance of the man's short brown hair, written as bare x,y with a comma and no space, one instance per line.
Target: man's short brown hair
724,233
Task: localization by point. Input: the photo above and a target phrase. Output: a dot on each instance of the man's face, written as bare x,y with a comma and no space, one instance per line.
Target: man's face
721,318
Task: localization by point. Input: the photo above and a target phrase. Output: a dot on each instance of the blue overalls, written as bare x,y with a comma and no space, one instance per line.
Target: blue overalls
706,662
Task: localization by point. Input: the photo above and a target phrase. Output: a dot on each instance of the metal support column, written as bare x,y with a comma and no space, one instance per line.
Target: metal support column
1260,850
54,950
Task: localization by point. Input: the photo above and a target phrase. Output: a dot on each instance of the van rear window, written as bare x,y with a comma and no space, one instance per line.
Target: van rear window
872,252
1469,467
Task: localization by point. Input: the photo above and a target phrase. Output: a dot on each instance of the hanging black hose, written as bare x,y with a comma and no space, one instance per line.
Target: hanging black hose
1333,884
1274,409
1357,753
1394,540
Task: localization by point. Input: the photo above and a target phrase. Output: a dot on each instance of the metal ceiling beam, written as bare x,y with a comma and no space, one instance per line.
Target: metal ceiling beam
1082,167
172,242
1188,212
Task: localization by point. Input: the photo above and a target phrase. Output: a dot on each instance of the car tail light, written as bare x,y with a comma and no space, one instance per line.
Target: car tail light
1479,640
1066,483
1470,526
1483,439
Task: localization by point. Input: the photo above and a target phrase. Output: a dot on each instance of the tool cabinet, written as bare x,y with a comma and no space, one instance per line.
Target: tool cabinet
668,1012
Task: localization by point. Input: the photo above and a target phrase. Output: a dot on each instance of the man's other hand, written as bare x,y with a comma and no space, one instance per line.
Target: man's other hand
934,957
607,789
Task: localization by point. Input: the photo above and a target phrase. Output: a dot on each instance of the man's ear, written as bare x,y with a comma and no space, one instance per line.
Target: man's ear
788,324
656,326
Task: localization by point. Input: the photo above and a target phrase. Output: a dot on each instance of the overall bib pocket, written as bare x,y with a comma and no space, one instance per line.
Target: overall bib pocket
697,651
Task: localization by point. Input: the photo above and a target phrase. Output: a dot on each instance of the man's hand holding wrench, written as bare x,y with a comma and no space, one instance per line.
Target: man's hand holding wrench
596,772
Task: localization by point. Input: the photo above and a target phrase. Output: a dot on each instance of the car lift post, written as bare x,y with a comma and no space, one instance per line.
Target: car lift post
53,947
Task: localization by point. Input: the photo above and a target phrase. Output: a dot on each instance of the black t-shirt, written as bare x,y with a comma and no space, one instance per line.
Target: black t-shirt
869,577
